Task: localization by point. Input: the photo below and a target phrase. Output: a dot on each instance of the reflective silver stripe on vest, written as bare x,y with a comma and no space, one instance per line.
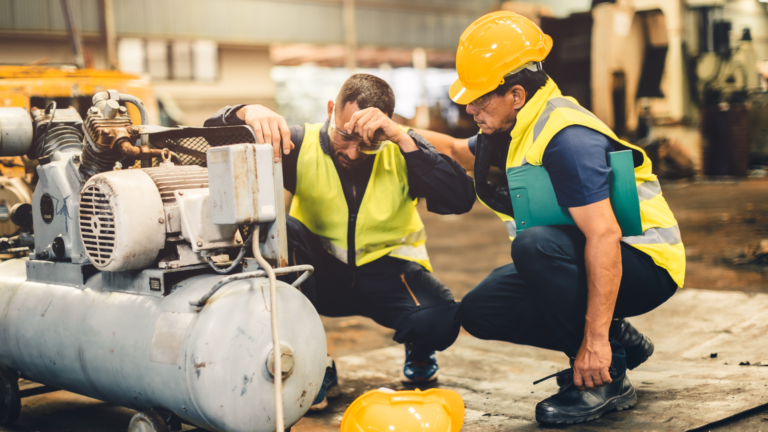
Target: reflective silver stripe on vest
406,245
339,252
552,105
511,228
648,190
410,239
670,236
413,252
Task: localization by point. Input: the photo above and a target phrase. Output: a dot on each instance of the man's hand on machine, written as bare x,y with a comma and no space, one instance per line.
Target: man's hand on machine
373,125
269,127
591,367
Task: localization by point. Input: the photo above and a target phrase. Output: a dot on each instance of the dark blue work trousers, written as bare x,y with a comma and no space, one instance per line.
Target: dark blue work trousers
397,294
541,299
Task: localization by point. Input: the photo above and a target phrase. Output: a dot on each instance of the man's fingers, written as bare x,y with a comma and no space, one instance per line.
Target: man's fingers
606,375
597,379
268,138
375,126
256,125
578,380
589,383
274,130
365,125
285,133
349,127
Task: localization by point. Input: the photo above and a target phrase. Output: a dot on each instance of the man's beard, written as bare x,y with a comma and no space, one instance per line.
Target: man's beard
348,163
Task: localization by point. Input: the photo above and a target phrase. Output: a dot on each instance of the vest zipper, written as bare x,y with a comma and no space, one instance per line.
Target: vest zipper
352,221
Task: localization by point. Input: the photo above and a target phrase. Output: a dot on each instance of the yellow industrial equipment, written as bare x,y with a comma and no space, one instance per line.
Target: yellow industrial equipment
386,410
35,86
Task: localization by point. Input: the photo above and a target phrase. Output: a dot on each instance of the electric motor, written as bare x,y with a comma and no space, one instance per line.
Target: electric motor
130,219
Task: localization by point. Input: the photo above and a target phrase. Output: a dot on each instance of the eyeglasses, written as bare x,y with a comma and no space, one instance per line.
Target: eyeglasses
482,101
348,141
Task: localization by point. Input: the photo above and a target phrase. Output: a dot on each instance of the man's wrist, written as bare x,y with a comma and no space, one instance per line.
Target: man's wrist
240,113
406,143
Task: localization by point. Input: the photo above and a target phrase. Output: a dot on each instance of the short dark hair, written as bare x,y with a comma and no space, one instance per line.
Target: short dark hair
367,91
530,81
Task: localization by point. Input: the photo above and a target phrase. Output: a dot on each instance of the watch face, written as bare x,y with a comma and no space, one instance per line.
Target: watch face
47,210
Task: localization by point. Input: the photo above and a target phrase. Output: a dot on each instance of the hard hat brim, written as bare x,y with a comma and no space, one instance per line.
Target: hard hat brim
462,95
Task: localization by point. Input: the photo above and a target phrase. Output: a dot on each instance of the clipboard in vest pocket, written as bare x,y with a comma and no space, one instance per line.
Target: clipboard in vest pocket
535,203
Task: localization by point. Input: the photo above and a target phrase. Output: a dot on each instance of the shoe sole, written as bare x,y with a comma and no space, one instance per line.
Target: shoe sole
320,406
619,403
405,380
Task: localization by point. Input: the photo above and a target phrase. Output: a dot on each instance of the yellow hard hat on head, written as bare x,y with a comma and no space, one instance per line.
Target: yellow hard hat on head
386,410
493,46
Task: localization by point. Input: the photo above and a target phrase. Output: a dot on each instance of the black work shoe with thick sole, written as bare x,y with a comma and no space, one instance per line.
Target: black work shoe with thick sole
638,347
572,405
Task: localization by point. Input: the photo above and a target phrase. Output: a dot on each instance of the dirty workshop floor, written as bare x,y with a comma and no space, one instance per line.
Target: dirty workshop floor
680,388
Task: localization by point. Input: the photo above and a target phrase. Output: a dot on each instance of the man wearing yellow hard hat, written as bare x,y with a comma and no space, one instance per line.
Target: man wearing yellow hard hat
591,245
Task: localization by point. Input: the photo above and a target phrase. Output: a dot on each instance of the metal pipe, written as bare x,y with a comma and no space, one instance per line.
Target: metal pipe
142,111
278,354
307,269
138,104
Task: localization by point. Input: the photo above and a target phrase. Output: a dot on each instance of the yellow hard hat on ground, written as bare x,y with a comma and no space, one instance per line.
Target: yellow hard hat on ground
386,410
493,46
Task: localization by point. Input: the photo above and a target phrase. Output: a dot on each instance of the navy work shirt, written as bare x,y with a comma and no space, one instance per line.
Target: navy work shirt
577,162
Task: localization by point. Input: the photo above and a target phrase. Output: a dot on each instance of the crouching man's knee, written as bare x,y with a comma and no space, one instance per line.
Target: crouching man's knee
435,326
475,319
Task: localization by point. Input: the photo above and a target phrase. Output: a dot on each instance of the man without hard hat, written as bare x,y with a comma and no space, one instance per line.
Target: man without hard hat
355,180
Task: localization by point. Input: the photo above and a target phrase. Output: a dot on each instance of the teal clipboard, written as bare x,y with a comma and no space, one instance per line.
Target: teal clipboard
535,203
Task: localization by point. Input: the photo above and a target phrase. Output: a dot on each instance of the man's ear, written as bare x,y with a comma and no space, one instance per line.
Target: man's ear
518,97
331,106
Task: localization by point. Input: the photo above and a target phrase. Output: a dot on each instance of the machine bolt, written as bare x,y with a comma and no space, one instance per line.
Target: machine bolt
104,132
238,241
523,223
123,110
161,220
518,196
76,158
288,360
199,244
93,110
181,192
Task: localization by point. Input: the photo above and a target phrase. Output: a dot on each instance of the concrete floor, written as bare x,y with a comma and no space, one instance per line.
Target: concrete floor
679,388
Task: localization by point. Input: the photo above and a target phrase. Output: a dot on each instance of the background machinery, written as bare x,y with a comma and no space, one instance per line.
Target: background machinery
153,287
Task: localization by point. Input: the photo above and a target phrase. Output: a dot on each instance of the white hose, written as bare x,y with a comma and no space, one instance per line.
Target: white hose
277,354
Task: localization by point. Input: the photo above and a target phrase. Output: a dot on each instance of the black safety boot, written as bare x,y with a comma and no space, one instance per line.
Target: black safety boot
637,346
571,405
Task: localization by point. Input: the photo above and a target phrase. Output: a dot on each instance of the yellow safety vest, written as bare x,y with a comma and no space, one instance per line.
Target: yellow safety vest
387,222
546,114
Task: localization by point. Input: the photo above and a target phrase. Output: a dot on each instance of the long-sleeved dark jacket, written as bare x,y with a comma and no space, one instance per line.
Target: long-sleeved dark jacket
432,176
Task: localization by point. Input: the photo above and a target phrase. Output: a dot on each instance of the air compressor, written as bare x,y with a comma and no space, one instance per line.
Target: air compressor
151,284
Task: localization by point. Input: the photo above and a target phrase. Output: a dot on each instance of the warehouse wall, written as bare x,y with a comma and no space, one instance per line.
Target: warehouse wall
425,23
244,78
